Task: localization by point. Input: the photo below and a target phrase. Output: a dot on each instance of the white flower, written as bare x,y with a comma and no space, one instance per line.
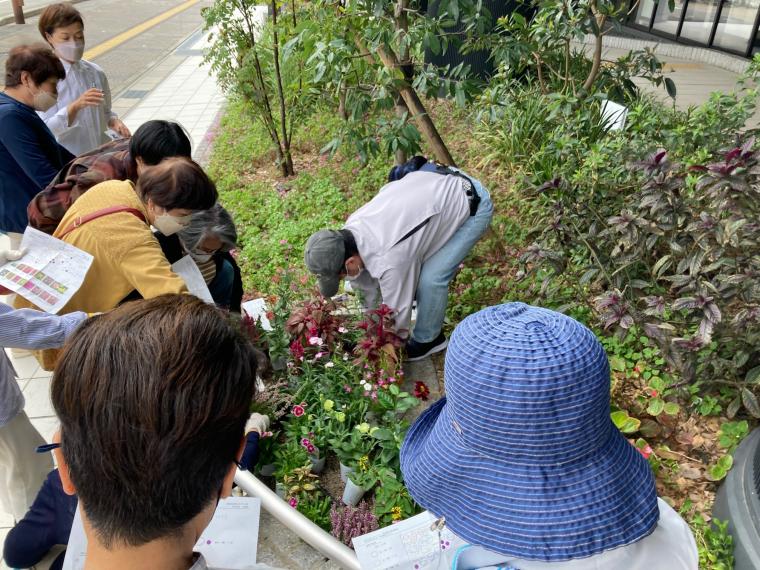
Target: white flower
315,341
345,357
329,364
342,330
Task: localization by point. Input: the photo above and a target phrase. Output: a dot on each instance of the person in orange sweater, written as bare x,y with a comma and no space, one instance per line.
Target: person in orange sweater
112,222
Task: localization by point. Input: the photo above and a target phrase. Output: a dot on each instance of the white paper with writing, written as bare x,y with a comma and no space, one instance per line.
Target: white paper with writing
408,545
49,273
257,310
229,541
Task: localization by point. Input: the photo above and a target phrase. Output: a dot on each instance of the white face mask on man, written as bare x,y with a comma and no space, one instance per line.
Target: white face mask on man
170,225
70,51
201,256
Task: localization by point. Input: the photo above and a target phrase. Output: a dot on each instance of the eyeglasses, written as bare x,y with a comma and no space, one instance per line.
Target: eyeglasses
47,447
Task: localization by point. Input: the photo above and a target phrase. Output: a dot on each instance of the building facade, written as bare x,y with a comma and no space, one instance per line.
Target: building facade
726,25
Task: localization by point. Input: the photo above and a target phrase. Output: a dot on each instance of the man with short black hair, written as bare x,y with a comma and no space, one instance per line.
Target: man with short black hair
408,241
153,399
124,159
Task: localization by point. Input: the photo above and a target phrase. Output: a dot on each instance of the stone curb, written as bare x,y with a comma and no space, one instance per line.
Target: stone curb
682,51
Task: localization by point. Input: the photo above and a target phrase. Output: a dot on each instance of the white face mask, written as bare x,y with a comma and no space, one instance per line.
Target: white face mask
201,257
70,51
42,100
170,225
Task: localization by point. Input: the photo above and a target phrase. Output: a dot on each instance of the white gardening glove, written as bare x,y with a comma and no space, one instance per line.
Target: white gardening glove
258,423
7,255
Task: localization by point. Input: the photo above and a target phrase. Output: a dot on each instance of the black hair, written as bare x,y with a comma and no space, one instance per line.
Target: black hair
349,242
153,398
157,140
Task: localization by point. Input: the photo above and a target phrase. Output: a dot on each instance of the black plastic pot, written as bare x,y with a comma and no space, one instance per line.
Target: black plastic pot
738,501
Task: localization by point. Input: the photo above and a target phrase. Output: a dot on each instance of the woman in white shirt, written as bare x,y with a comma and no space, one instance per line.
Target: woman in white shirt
83,113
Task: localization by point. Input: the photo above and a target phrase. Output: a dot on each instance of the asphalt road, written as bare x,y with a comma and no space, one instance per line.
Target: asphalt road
126,38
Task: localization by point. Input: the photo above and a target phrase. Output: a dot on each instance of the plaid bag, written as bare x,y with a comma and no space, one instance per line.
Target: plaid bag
110,161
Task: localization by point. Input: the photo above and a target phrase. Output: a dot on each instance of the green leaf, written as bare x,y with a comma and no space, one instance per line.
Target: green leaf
670,86
617,364
753,376
672,409
383,434
656,407
750,402
394,389
624,422
733,407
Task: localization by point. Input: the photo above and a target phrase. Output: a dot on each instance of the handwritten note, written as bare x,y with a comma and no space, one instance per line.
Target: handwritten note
49,273
412,544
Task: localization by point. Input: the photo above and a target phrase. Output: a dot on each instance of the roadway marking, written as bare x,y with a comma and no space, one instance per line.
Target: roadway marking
116,41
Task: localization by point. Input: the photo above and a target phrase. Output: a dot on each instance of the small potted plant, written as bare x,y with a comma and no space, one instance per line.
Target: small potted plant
359,482
352,445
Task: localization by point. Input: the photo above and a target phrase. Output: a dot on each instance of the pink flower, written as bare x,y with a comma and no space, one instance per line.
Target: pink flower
293,502
305,442
315,341
646,451
319,355
374,395
283,242
342,330
347,389
391,379
311,449
298,411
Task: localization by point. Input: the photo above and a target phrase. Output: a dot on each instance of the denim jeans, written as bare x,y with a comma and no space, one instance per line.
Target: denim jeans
221,285
438,271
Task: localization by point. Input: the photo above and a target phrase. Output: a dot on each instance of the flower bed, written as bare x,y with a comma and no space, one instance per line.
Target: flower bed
340,410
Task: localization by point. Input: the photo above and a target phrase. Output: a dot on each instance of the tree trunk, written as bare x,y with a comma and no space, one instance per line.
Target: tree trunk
288,161
342,112
596,58
401,110
414,104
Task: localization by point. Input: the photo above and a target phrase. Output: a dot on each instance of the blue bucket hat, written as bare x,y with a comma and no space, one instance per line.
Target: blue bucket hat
521,456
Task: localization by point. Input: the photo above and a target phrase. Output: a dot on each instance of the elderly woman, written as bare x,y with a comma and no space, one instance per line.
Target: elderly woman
112,222
30,157
522,461
208,240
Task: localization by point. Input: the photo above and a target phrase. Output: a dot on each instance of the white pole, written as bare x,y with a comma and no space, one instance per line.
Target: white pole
299,524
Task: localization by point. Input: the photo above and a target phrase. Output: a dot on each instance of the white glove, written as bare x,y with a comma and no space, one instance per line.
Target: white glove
11,255
258,423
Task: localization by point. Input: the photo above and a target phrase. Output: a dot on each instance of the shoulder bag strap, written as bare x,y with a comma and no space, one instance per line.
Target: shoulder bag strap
81,220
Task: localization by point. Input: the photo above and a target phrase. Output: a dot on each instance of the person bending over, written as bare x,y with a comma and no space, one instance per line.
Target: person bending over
124,159
408,241
522,460
153,399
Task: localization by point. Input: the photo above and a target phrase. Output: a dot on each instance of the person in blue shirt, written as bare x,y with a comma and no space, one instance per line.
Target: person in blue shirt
30,157
22,471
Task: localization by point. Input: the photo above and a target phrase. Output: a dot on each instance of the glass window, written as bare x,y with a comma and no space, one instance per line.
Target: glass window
699,20
665,20
735,26
644,13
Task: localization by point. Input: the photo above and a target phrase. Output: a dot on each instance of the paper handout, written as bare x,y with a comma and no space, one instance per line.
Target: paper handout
257,310
412,544
229,542
49,273
188,270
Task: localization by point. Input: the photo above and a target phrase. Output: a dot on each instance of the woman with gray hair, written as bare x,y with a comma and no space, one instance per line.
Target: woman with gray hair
208,239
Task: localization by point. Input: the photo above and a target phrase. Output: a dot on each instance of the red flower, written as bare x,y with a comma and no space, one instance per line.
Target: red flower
296,349
421,390
298,411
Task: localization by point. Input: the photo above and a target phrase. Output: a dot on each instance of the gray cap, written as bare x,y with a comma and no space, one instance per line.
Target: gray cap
324,256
